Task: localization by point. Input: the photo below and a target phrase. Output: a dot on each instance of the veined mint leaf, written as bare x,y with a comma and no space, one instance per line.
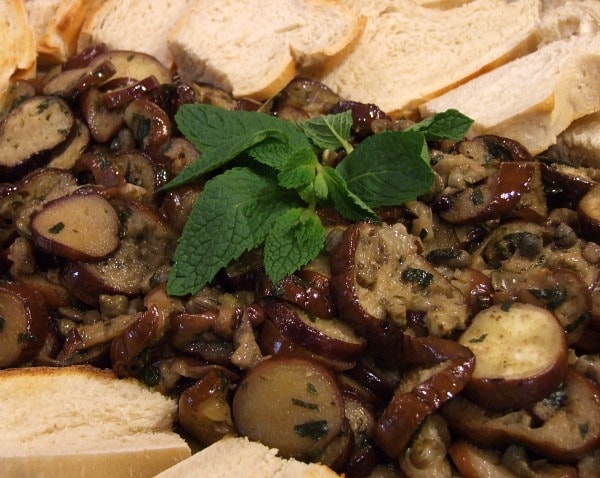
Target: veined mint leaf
449,124
215,157
329,131
234,213
345,201
297,237
388,168
299,170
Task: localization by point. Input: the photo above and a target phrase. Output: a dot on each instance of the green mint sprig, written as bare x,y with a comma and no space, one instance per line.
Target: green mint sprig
270,201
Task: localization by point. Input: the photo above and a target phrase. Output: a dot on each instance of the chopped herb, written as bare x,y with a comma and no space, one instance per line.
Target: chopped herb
310,388
142,129
304,404
553,297
150,375
479,339
558,397
584,429
442,255
578,322
43,106
418,276
477,197
2,322
315,430
26,337
59,226
506,306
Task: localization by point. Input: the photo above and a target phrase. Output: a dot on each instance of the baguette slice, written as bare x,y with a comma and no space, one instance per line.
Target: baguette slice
57,24
534,98
82,421
254,48
409,53
573,18
17,55
241,458
137,25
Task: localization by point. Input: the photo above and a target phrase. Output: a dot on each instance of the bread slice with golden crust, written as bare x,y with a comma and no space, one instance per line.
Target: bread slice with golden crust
253,49
83,421
57,24
241,458
409,53
18,54
138,25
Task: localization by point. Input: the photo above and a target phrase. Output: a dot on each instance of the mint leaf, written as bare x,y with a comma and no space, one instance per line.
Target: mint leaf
215,157
299,170
234,213
345,201
449,124
297,237
388,168
329,131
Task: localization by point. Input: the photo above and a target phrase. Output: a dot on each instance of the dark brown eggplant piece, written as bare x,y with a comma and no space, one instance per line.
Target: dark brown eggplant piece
315,300
70,84
330,338
24,324
65,156
449,366
20,151
103,123
588,214
29,195
569,184
147,243
499,196
273,341
291,404
149,123
137,169
204,409
136,65
569,432
79,227
304,97
378,278
177,206
120,97
475,462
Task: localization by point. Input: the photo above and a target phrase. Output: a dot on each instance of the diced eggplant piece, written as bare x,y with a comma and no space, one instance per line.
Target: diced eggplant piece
103,122
331,338
569,184
499,196
79,227
177,206
149,123
29,195
70,84
24,324
448,366
378,279
20,150
570,431
520,355
136,65
147,243
67,155
18,91
204,409
119,97
309,97
136,168
588,214
85,56
291,404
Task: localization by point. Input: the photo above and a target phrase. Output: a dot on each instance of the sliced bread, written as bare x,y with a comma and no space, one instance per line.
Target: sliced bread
409,53
18,54
579,144
139,25
57,31
241,458
534,98
573,18
82,421
254,48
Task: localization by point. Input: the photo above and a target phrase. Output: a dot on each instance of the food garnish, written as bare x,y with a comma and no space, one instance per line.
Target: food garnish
274,181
